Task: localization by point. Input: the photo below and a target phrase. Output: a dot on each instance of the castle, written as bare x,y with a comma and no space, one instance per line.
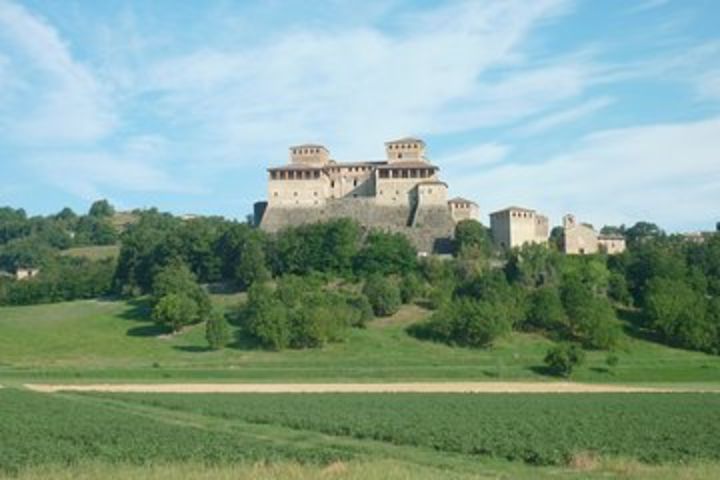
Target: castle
402,193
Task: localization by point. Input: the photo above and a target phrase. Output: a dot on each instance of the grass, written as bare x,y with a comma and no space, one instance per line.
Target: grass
101,437
102,340
362,470
94,252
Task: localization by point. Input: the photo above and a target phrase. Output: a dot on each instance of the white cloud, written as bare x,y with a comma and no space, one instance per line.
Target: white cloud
359,86
91,174
708,85
664,173
563,117
66,103
480,155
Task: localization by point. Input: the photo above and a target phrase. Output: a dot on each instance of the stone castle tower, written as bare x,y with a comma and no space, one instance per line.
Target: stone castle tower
402,193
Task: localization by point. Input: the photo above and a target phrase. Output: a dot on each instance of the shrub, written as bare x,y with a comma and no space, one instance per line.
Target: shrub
563,358
175,311
383,294
410,288
217,332
467,322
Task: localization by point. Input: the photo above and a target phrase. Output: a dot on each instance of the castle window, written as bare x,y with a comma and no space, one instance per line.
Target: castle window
275,194
315,194
399,155
355,183
294,194
332,184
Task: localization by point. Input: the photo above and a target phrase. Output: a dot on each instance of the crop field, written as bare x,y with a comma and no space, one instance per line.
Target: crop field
49,430
538,429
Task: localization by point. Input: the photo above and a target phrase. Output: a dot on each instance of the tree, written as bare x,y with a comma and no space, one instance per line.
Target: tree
383,294
471,234
641,232
217,332
101,209
177,279
467,322
557,238
546,310
679,313
251,266
563,358
266,318
175,311
410,288
386,254
618,289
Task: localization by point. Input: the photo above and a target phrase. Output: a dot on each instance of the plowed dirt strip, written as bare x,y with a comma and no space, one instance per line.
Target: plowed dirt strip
457,387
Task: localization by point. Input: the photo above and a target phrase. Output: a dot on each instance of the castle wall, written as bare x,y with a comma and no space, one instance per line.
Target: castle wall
396,191
351,181
464,211
433,231
298,192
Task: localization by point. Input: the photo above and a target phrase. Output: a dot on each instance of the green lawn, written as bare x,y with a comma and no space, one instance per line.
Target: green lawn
101,340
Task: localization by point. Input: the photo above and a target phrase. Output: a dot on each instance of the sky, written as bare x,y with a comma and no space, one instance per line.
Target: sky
607,109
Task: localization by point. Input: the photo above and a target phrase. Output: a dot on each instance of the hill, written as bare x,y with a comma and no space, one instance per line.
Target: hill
114,341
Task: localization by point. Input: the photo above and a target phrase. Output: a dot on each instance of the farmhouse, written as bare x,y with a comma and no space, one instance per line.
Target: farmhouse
581,239
402,193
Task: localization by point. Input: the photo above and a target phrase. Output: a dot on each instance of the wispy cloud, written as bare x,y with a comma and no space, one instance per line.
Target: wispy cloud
563,117
70,105
666,173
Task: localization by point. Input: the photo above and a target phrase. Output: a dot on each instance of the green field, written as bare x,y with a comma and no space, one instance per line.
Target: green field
213,436
101,340
542,429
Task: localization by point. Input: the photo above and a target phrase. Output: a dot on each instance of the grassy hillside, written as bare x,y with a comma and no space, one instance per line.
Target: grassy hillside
114,341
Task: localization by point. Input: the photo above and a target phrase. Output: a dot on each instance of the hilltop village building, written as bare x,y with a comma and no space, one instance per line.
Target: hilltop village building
402,193
516,226
581,239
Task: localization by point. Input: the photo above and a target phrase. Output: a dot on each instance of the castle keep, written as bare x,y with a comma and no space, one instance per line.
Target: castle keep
402,193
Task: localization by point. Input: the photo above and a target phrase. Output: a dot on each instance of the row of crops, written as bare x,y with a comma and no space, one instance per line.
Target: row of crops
537,428
40,429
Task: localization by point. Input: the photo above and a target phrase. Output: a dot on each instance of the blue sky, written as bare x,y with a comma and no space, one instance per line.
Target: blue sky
609,109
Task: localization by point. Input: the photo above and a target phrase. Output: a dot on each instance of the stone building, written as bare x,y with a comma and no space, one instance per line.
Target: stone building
581,239
402,193
463,209
516,226
26,273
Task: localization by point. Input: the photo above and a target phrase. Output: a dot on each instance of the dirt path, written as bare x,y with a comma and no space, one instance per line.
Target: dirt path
455,387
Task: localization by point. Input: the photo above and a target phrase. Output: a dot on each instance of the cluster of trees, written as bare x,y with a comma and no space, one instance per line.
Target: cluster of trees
301,312
217,250
477,296
38,242
538,289
676,284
